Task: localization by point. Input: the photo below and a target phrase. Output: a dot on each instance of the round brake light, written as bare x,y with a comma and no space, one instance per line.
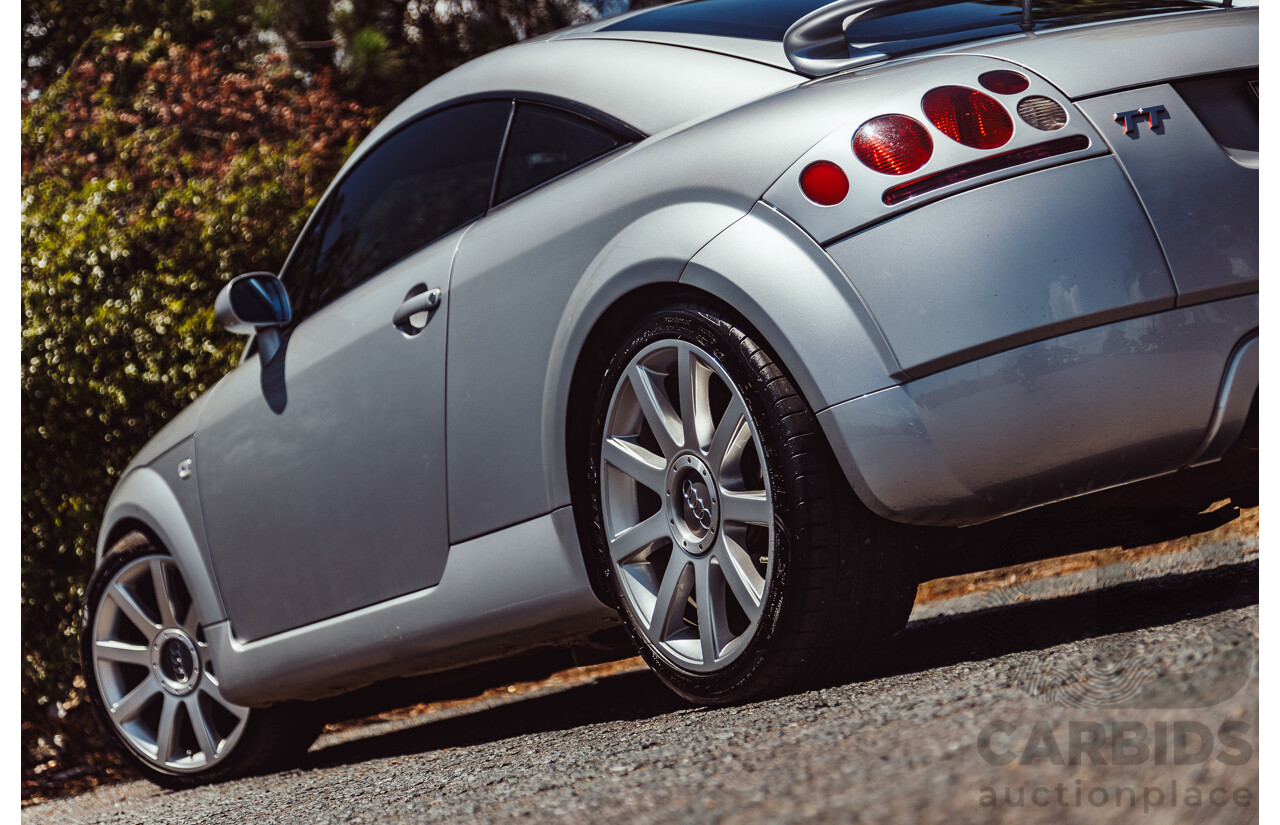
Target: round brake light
1003,82
824,183
893,144
968,116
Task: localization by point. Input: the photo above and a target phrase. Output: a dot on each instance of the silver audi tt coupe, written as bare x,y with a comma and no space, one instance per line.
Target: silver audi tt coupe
688,320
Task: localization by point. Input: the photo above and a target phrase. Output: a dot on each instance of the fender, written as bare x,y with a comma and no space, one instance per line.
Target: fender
806,310
626,264
167,507
764,266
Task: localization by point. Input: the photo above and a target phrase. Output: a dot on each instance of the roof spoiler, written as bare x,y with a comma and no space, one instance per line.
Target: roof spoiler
817,44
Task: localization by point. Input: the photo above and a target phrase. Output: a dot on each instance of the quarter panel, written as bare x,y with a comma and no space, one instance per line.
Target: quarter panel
804,307
1043,422
1203,204
997,267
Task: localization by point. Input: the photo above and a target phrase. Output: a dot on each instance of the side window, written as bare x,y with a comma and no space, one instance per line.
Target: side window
430,177
297,267
547,142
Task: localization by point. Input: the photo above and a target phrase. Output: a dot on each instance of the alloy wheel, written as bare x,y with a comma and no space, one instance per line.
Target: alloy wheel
688,509
153,667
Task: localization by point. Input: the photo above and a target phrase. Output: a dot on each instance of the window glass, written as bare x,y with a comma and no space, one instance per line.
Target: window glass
425,180
546,142
298,267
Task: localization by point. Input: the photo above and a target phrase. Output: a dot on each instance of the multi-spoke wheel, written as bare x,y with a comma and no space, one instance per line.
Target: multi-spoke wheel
737,555
153,680
688,512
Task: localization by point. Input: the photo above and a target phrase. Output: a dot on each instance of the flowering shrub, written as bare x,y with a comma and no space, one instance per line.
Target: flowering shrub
152,172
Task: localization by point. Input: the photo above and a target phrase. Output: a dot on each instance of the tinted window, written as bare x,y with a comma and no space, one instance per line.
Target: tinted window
546,142
425,180
298,266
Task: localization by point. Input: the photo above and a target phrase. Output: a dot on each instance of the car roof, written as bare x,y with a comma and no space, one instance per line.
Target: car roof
648,86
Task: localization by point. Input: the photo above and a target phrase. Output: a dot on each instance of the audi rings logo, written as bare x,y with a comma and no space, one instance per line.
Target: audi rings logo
696,505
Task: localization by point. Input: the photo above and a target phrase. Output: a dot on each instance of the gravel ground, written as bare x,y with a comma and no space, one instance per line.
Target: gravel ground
1124,692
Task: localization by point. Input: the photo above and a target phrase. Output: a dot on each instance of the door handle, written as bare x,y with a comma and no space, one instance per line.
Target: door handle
425,302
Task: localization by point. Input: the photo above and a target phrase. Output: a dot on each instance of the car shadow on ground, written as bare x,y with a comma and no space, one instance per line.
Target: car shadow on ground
991,630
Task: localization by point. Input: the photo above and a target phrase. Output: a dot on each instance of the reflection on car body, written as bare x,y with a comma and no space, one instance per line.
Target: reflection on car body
686,320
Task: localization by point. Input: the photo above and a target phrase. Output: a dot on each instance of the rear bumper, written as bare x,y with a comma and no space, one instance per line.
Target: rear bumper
1054,419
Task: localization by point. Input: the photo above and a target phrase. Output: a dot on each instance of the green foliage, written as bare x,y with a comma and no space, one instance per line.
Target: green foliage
152,173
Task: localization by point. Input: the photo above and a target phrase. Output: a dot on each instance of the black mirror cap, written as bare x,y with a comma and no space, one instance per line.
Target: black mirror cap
251,302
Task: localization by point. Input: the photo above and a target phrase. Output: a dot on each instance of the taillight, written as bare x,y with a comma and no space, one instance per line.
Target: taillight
824,183
893,144
1003,82
1042,113
968,116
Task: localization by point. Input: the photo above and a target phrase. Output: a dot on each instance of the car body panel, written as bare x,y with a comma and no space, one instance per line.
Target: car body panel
877,92
166,506
1031,257
1084,60
341,430
648,86
800,302
640,213
1074,414
501,595
1201,200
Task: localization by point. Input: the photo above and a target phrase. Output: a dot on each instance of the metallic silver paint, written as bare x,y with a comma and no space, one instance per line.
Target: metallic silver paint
1200,200
169,509
801,303
1085,60
294,459
993,268
1044,422
1239,392
501,594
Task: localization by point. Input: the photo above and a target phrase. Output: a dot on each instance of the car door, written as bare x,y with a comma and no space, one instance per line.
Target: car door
322,472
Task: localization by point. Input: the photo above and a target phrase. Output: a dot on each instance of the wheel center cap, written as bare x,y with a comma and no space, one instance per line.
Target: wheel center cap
693,508
175,661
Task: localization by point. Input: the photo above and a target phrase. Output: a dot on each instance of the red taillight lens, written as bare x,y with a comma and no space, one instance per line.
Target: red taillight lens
1003,82
968,116
893,144
824,183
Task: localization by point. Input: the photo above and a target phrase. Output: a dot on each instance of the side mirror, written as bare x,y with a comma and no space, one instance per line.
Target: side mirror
256,303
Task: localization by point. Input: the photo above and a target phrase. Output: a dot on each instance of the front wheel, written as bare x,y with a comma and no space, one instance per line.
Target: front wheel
154,684
740,560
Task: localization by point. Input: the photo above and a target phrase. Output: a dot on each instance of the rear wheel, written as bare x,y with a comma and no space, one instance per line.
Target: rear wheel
154,684
740,560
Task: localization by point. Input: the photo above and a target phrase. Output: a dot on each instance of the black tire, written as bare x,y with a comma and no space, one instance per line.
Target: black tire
267,739
841,580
